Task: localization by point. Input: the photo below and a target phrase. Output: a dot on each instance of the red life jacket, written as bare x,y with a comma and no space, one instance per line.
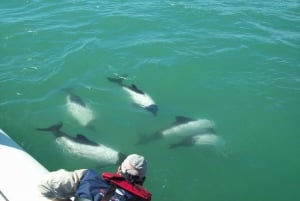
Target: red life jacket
119,181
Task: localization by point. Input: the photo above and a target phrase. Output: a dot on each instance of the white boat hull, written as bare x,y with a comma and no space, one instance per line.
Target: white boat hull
19,172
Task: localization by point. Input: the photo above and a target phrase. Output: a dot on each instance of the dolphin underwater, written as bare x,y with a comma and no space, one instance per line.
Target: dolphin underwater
138,96
83,147
200,139
79,109
182,126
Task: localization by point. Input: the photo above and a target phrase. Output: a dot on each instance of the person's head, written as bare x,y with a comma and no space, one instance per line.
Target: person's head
134,168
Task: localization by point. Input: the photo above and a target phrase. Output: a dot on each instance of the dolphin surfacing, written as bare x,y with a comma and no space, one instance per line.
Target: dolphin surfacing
182,126
79,110
199,139
84,147
138,96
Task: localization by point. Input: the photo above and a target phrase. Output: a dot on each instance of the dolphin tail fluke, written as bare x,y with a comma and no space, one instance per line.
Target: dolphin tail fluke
54,128
152,108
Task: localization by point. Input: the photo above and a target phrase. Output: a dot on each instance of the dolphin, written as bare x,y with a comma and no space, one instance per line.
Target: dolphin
84,147
199,139
182,126
138,96
79,109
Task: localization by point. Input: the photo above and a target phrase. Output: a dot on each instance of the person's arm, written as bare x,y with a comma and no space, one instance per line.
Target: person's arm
61,184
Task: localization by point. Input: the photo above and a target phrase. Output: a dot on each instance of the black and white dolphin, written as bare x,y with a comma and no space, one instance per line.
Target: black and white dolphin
200,139
182,126
84,147
79,110
138,96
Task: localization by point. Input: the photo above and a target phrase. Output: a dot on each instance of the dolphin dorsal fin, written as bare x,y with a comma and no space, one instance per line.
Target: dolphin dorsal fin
183,119
82,139
76,99
134,88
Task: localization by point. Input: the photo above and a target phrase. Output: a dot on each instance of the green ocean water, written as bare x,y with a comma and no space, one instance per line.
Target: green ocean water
235,63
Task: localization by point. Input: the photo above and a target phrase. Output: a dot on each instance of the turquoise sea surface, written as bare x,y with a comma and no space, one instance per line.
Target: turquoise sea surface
235,63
